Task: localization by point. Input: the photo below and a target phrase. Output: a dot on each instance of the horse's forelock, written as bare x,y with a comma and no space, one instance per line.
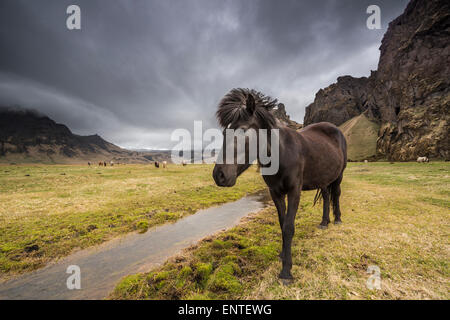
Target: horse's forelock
232,107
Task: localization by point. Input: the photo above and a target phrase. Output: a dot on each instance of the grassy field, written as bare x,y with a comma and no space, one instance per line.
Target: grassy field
47,211
396,217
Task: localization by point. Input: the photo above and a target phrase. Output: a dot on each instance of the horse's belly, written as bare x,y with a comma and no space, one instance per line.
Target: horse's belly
308,187
321,174
312,184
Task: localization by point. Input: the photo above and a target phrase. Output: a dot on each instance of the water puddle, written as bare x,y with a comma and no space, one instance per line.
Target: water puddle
103,266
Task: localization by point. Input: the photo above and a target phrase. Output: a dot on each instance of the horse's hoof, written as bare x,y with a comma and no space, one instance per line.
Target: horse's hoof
286,282
338,222
286,278
322,226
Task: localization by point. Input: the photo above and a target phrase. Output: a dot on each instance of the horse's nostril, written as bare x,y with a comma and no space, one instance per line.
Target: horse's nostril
219,177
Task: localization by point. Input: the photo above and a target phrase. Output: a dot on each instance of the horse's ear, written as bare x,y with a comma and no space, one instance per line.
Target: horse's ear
250,104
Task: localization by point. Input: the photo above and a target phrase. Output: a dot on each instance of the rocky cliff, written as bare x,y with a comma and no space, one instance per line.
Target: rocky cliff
339,102
409,94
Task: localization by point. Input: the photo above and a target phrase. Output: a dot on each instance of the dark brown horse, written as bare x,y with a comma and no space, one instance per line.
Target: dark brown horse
156,164
313,158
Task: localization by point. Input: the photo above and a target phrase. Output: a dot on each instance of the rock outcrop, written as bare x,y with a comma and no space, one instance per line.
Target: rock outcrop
339,102
409,94
280,113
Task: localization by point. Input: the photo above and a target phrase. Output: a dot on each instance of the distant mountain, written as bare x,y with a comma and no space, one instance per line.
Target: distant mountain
409,94
27,136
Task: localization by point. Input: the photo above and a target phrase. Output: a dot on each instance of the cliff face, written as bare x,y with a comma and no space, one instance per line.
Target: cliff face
339,102
409,94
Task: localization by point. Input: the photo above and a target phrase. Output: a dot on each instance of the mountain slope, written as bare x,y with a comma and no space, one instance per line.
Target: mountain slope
26,136
361,135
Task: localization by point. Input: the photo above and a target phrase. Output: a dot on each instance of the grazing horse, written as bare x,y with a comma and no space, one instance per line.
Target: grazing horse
184,163
313,158
100,164
156,164
422,159
164,163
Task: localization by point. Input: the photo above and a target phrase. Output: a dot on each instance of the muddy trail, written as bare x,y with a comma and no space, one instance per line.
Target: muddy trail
103,266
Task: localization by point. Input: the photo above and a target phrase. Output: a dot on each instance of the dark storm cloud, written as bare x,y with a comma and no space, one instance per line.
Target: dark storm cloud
139,69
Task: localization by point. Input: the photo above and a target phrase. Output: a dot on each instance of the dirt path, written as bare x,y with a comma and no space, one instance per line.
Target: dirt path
103,266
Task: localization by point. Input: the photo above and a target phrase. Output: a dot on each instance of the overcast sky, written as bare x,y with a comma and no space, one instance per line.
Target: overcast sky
139,69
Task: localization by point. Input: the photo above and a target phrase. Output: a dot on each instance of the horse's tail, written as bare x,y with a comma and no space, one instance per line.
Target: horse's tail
317,197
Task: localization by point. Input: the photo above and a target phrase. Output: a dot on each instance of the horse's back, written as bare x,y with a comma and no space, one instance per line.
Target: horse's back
325,128
324,148
325,132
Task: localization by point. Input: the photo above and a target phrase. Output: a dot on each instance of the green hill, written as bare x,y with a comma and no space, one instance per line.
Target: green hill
361,134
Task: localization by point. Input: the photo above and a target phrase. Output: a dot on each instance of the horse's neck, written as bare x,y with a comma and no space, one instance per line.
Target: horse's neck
269,136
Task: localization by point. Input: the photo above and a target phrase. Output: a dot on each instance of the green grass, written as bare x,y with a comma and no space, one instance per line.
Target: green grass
395,217
47,211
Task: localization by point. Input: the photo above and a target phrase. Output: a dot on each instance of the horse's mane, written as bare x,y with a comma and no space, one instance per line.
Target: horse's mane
232,107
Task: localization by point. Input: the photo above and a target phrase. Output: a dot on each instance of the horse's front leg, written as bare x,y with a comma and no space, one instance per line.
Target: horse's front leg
280,203
288,232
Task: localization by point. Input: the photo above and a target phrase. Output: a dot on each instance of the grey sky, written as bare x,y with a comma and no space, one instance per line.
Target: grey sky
139,69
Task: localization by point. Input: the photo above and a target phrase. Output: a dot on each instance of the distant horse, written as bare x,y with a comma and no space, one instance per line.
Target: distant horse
184,163
111,163
313,158
89,164
100,164
104,163
164,164
423,159
156,164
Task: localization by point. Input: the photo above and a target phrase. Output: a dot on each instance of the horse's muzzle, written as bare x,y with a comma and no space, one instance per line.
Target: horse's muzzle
221,180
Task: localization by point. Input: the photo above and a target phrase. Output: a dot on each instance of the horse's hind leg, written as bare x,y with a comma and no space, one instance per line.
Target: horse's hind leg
335,194
326,208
